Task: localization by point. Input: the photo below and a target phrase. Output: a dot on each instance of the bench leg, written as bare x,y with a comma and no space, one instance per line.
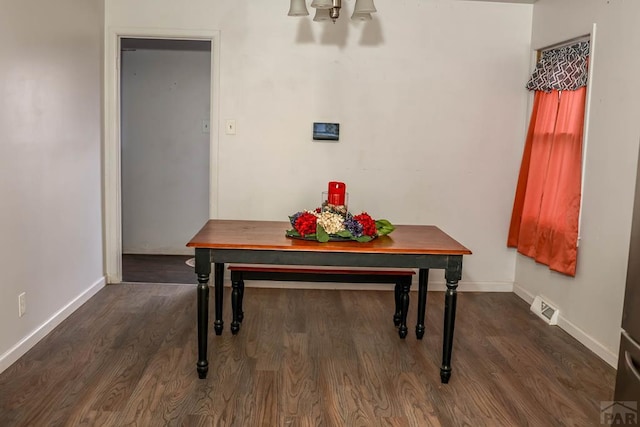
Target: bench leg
237,289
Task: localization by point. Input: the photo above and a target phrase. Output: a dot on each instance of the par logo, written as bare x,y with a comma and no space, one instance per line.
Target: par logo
624,413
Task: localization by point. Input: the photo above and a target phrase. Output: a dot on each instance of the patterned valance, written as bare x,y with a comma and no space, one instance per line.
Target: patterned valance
564,68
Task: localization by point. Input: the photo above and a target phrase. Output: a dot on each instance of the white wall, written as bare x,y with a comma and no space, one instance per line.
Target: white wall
165,153
430,97
591,303
50,185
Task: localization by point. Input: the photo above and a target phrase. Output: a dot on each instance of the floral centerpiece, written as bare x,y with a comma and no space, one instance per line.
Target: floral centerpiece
333,222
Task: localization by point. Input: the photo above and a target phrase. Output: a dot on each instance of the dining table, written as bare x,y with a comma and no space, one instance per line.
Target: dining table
420,247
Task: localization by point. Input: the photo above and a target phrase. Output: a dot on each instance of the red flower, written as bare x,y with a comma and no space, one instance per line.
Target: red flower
306,224
368,224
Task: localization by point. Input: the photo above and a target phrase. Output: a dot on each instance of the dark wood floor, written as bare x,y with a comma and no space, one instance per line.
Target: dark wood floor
302,358
157,269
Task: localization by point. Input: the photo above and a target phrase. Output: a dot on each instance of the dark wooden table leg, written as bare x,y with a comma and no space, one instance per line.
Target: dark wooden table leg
423,279
452,276
404,307
235,304
218,281
203,270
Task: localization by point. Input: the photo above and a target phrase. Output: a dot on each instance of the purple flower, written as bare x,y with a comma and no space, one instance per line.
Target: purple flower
353,226
294,217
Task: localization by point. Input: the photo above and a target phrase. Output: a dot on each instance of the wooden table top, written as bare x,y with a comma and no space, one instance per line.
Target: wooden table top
270,235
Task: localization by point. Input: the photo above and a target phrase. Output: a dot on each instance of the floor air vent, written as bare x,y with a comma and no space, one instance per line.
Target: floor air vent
545,311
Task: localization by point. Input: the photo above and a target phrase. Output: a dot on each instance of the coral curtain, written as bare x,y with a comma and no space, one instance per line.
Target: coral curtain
544,221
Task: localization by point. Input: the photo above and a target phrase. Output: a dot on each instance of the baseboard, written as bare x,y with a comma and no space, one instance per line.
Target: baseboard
523,293
474,286
585,339
18,350
152,251
588,341
433,285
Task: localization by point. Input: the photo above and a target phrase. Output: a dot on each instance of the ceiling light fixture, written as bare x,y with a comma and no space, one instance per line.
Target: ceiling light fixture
330,9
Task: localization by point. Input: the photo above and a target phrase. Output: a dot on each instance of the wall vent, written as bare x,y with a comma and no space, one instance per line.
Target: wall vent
544,310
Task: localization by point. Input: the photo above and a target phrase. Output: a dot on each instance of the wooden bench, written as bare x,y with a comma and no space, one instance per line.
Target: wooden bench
401,279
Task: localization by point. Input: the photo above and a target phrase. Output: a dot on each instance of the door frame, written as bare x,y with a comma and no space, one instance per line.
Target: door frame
112,178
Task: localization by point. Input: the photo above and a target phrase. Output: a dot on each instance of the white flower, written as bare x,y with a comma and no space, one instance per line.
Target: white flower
331,222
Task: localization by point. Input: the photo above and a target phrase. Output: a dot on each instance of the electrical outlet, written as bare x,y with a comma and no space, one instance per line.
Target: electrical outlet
22,304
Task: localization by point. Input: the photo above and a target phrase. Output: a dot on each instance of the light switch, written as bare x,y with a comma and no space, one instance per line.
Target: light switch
230,127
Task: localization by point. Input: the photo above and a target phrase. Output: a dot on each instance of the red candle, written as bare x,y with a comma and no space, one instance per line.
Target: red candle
336,193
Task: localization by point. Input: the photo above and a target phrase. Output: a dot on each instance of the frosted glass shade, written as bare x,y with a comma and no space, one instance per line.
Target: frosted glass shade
364,6
298,8
363,16
322,4
322,15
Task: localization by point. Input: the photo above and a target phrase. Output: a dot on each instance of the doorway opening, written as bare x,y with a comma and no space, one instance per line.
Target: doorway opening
165,126
160,152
